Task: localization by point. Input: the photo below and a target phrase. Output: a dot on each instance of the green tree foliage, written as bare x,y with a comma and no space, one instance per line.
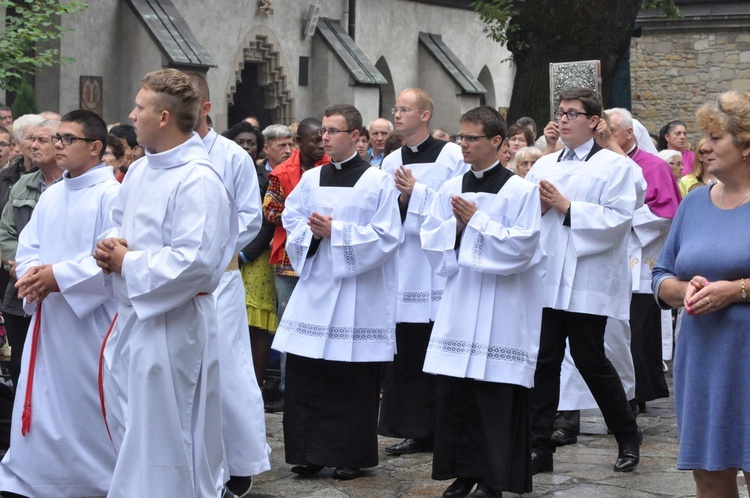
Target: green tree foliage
25,102
539,32
497,16
29,25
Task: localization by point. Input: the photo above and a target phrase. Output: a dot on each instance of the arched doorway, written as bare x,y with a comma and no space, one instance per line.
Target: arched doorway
261,87
485,78
387,92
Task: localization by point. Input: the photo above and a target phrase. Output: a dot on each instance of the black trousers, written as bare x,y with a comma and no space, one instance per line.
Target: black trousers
16,328
482,433
585,333
331,412
645,347
407,409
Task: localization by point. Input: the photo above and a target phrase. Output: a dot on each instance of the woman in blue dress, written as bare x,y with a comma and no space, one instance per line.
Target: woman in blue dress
704,266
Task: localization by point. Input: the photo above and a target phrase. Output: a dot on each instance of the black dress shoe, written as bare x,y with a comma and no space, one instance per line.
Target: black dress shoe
484,491
240,486
346,473
460,488
629,451
306,470
409,446
563,436
541,462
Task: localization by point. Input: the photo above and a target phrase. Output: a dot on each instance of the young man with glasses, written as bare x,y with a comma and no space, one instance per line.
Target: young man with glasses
419,168
482,234
343,230
588,199
57,416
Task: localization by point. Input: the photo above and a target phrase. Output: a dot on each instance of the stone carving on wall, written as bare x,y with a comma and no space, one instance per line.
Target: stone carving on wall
566,75
265,7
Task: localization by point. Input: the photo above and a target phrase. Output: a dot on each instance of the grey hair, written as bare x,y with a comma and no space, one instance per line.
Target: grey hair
668,154
275,132
626,118
49,123
25,121
390,125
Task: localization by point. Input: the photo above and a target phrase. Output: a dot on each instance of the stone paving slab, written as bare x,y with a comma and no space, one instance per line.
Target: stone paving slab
582,470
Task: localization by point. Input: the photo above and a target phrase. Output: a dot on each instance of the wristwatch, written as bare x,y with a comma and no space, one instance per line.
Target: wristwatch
743,291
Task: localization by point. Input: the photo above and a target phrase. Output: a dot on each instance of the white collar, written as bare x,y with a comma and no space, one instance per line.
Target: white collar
338,165
480,174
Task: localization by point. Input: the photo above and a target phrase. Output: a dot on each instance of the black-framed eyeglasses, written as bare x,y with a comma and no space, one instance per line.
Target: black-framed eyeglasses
572,114
69,139
332,131
470,138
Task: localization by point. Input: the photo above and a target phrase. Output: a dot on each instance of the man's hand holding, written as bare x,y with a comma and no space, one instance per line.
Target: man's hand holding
110,253
463,210
37,283
404,181
320,225
552,197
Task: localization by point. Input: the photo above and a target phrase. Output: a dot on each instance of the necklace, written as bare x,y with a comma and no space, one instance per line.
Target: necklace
721,198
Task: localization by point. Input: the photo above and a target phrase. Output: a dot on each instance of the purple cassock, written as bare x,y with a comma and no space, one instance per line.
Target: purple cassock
662,192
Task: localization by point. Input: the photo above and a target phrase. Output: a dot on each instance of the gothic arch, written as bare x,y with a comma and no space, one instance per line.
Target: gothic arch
485,78
261,48
387,91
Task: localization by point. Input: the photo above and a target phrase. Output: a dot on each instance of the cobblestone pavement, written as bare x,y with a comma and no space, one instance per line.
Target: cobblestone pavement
582,470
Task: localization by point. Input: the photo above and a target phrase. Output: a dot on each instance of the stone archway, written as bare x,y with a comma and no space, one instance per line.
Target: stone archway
485,78
387,92
261,77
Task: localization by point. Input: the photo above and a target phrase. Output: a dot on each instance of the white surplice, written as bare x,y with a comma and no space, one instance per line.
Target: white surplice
574,393
489,319
67,452
587,269
161,372
419,288
243,415
344,305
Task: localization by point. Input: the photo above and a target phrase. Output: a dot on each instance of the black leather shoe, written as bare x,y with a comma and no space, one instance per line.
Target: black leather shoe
563,436
240,486
274,406
460,488
409,446
541,462
484,491
346,473
629,451
306,470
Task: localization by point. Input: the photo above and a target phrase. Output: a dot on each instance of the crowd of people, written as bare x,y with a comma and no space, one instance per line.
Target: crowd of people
466,294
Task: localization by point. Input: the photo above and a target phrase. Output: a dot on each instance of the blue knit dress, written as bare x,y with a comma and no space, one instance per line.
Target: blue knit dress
712,357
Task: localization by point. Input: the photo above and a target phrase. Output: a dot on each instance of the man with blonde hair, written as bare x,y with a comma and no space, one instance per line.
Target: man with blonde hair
175,229
419,168
243,419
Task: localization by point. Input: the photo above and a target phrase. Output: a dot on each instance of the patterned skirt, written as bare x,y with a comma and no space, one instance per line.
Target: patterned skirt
260,293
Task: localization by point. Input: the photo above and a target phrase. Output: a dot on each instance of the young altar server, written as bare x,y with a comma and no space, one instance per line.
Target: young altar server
482,233
59,444
343,228
175,229
243,418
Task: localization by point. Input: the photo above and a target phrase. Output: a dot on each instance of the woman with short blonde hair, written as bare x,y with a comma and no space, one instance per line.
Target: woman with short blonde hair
704,266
